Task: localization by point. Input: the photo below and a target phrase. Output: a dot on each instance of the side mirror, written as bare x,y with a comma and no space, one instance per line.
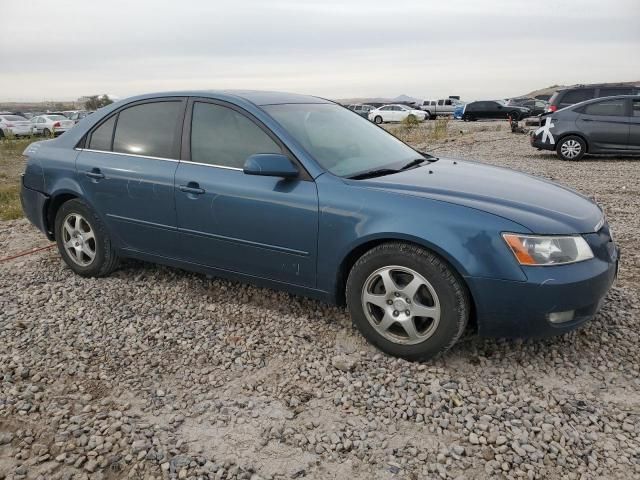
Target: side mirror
270,165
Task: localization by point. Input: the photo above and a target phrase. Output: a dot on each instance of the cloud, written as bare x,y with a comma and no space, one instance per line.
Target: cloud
332,48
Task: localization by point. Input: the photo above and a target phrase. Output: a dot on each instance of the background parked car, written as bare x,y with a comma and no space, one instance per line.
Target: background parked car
535,106
603,125
362,110
435,108
79,115
458,111
51,124
395,113
14,125
493,109
570,96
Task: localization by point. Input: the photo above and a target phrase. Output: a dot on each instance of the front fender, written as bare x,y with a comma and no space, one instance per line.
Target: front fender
469,239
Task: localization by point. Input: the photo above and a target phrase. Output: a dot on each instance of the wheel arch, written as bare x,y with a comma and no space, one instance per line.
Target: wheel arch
363,247
574,134
51,209
366,244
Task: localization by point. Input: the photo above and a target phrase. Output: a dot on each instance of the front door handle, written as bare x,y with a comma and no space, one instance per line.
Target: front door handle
95,173
192,187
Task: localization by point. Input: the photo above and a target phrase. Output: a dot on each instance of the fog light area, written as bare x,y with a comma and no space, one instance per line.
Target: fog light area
561,317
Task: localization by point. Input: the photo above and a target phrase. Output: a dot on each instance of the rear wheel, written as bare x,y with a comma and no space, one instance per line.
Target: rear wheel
407,301
377,119
427,115
571,148
515,116
83,240
46,132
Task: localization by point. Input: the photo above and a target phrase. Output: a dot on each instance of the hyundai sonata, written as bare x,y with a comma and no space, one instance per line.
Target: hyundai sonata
298,193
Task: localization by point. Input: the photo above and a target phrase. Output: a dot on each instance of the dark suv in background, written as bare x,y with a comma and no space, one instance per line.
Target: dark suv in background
570,96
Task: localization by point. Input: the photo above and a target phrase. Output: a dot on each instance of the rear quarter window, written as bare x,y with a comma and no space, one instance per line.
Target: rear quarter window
577,96
102,136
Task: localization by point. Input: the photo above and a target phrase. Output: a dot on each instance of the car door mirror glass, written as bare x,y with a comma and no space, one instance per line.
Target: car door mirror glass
270,165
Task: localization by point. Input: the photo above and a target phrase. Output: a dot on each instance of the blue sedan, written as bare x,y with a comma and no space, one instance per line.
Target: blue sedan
298,193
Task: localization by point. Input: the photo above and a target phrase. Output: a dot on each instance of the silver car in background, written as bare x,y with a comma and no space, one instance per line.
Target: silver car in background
14,125
51,124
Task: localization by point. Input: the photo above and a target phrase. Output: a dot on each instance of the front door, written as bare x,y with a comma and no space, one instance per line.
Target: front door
255,225
128,175
606,125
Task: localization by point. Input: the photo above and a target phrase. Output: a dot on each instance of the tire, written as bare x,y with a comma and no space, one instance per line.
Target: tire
441,293
46,132
377,120
515,116
74,248
411,118
468,118
427,115
571,148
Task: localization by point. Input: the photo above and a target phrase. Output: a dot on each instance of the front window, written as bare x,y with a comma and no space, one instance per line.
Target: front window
221,136
343,143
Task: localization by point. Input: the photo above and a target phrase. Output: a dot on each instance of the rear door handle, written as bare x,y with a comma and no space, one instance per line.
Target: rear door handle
192,187
95,173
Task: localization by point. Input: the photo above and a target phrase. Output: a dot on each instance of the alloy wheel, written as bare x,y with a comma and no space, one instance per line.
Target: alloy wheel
78,239
401,305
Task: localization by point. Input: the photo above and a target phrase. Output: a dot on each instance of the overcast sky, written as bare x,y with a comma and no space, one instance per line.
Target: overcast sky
334,48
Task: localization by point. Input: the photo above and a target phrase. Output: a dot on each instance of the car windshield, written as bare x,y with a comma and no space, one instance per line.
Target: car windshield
341,142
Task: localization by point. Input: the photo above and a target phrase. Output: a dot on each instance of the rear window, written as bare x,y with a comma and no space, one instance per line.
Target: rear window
102,136
611,92
577,96
614,107
56,117
148,129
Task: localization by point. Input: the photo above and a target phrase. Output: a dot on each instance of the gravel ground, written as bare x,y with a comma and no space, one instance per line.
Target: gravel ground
158,373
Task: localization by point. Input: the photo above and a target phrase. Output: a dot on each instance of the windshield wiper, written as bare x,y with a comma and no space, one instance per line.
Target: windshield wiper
373,173
413,163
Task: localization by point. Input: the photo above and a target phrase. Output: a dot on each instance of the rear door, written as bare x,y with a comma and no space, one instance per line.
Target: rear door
605,124
127,171
634,126
255,225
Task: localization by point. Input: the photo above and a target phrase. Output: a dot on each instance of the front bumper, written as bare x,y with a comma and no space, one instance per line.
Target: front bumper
521,309
33,206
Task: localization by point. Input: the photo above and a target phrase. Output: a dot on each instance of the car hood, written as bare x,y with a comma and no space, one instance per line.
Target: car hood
538,205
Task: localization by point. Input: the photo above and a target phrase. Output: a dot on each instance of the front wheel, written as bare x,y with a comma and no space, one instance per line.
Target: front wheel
83,240
407,301
571,148
377,120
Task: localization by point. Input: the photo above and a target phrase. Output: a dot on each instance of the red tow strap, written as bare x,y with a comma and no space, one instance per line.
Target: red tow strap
28,252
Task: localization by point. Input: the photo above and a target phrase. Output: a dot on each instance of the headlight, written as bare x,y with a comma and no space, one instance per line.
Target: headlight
548,250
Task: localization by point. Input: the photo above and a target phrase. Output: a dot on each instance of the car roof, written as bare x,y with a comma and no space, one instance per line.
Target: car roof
257,97
598,85
596,100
